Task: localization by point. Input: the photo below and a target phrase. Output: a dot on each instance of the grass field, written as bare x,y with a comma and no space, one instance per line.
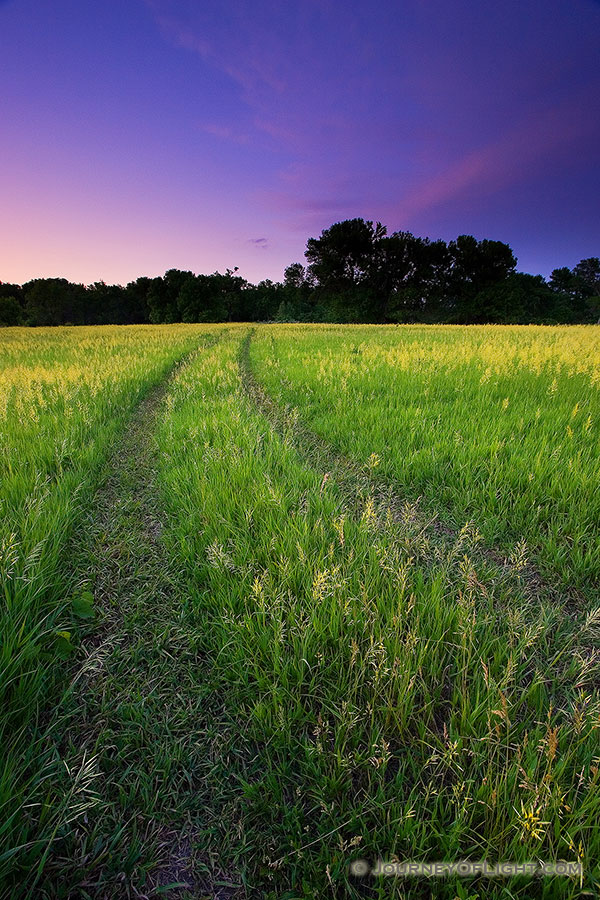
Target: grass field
280,598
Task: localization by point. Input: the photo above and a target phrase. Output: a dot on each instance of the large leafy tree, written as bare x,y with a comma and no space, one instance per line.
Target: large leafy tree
409,276
211,298
587,273
105,304
163,294
54,301
580,288
11,304
341,263
260,302
11,312
136,300
342,257
474,266
297,295
520,299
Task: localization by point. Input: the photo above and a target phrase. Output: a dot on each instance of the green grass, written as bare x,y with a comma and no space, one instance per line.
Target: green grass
387,697
496,424
66,394
292,666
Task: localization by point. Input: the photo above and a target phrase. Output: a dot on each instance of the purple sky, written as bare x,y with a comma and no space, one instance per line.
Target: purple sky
142,135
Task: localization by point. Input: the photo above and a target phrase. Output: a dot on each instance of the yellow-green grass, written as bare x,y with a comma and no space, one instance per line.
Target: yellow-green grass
495,424
65,394
332,678
382,694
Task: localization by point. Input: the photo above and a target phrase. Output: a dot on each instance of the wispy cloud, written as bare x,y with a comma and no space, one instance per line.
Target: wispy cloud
507,160
262,243
399,117
225,133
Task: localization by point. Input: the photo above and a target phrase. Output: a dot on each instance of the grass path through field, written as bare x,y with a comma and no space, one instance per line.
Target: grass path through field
291,669
123,730
496,425
381,694
66,398
358,485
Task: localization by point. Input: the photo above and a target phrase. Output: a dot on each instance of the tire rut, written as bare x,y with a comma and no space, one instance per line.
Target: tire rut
357,486
126,704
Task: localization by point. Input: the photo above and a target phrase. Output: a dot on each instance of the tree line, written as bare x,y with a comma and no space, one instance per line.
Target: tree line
354,272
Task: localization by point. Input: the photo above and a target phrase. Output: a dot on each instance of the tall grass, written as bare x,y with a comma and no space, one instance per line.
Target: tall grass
327,678
497,424
382,696
65,394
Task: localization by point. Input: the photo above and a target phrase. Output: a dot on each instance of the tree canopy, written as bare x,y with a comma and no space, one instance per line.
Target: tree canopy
355,272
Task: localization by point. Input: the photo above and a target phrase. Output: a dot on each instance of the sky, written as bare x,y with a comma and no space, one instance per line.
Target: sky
142,135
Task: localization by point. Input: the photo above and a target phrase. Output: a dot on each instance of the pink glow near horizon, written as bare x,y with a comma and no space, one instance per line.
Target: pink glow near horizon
172,134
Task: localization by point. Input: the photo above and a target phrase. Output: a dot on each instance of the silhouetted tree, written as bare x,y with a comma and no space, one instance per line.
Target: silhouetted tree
520,299
474,267
163,294
136,300
262,301
106,304
580,288
356,272
409,276
11,290
211,298
11,311
297,295
54,301
588,274
341,264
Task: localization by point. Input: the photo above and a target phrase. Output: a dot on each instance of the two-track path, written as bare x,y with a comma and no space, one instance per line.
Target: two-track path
125,719
140,715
